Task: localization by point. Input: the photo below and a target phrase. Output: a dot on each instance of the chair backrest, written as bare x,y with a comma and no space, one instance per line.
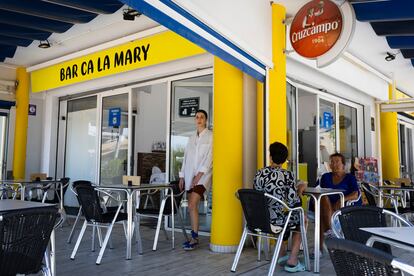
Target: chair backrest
352,258
256,210
178,195
369,194
24,236
89,201
38,176
352,218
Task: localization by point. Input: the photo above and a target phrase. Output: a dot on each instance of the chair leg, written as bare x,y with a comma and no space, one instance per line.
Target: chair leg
239,250
74,225
275,255
157,232
180,218
165,230
85,224
138,234
259,249
267,249
101,252
304,241
93,238
99,236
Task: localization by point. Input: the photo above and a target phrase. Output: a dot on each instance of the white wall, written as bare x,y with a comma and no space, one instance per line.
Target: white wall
151,119
35,139
247,23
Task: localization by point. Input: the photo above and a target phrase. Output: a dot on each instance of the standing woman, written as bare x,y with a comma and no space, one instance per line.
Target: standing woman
195,174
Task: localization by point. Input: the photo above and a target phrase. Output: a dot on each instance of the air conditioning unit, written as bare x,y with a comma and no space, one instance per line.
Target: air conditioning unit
7,87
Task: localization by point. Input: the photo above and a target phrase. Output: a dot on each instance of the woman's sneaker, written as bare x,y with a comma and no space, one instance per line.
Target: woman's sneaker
297,268
192,244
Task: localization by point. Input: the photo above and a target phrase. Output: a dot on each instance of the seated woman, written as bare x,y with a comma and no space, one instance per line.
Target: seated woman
337,179
280,183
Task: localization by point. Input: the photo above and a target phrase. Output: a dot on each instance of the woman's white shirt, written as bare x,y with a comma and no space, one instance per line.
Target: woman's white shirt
198,157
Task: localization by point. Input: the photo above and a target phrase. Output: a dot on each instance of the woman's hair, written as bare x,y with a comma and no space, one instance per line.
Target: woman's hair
202,111
337,154
278,153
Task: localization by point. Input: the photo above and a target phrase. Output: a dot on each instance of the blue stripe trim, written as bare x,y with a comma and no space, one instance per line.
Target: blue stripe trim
6,104
400,42
185,32
209,30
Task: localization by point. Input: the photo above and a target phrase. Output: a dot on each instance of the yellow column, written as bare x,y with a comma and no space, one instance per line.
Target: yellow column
20,130
226,226
389,144
260,127
277,78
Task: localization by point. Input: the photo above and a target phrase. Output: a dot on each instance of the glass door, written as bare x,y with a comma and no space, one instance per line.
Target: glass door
115,151
77,152
4,130
292,142
187,96
327,133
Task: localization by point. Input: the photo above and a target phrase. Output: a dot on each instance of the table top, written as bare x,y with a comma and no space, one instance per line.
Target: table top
7,205
313,190
399,234
135,187
29,182
395,187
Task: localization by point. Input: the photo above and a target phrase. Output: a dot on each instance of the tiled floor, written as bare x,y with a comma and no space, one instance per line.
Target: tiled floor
164,261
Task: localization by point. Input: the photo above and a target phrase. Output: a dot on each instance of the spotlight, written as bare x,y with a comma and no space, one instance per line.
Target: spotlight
44,44
130,14
390,56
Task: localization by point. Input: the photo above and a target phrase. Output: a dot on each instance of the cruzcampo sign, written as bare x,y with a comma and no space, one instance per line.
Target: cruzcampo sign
151,50
321,30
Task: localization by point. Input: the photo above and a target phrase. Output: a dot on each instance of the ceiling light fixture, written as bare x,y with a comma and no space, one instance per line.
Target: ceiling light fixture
44,44
130,14
390,56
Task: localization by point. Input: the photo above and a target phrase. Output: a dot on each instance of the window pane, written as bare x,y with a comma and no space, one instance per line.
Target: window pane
327,132
348,136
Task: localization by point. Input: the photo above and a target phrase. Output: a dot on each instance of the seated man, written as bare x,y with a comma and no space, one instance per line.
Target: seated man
280,183
337,179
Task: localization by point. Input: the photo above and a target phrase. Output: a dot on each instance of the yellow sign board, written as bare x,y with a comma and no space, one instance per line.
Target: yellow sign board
155,49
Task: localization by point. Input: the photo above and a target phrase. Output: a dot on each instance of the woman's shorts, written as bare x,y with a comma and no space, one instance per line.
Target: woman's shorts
198,189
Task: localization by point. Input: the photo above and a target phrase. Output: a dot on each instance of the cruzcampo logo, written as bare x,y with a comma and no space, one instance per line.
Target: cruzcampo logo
316,28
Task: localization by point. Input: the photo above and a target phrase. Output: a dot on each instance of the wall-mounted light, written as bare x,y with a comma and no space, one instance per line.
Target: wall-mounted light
44,44
130,14
390,56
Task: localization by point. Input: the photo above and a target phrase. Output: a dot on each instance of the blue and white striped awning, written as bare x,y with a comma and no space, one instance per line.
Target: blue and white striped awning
393,19
25,21
177,19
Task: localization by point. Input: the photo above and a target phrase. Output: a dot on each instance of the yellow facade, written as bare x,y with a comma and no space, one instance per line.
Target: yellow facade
227,221
277,78
20,130
389,144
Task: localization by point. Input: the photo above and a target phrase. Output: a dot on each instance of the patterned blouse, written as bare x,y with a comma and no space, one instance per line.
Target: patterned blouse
279,183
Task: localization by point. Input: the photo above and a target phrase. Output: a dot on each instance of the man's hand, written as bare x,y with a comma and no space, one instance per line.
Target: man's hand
181,184
196,179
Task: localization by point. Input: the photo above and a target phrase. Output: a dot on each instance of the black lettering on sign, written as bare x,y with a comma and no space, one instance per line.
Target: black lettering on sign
90,67
107,63
74,70
137,52
68,73
128,57
119,59
83,68
145,50
62,74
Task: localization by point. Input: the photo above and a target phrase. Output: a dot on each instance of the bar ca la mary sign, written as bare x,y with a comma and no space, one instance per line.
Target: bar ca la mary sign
151,50
321,30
